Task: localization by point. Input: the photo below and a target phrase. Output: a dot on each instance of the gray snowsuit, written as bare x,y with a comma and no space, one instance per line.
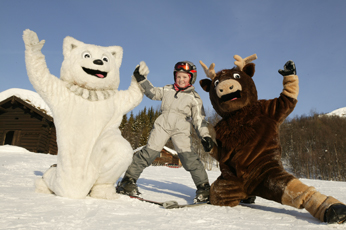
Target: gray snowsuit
177,108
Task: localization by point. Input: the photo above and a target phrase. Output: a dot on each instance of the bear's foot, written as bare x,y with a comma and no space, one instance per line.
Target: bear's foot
104,191
336,213
41,187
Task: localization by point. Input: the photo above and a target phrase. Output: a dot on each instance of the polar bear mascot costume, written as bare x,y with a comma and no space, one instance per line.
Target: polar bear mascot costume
87,109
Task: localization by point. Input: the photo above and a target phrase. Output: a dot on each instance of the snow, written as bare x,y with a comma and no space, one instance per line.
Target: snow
338,112
28,96
22,208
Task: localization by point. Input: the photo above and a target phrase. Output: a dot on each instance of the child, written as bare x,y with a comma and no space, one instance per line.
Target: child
180,103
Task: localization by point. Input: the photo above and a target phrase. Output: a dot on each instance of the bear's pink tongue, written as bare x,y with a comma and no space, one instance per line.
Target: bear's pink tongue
100,75
234,99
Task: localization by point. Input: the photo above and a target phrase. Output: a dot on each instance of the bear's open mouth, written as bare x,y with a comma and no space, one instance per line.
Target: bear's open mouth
231,96
96,73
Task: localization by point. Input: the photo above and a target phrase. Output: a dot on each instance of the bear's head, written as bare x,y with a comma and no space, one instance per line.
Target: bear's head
231,89
89,66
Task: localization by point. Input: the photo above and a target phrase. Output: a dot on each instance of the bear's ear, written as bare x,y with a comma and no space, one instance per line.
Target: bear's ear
117,52
249,69
205,84
69,44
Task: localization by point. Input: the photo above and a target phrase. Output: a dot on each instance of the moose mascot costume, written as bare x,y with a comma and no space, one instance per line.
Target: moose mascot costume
248,146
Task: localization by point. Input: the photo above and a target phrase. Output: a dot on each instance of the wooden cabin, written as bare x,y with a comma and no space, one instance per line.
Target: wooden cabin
167,157
24,125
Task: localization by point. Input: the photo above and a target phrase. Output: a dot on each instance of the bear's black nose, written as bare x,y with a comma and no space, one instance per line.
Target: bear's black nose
98,62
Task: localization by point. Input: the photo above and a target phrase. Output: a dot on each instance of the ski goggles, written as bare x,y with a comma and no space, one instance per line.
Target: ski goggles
183,66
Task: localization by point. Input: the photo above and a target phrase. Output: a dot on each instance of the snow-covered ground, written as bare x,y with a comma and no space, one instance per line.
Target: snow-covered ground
22,208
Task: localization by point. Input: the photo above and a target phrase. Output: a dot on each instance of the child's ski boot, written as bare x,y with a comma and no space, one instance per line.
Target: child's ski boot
128,187
202,193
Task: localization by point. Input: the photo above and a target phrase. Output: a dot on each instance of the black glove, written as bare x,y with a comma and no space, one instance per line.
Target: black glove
139,77
289,69
207,143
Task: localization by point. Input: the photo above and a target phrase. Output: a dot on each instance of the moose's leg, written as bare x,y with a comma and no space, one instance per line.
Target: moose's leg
299,195
280,186
270,183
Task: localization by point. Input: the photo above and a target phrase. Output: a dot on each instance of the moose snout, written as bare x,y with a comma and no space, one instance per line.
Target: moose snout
231,87
227,86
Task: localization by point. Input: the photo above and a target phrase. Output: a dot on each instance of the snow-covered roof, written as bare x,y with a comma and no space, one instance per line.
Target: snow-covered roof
338,112
165,148
170,150
28,96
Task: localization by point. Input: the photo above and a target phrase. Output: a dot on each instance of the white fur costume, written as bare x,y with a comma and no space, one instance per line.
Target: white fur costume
87,109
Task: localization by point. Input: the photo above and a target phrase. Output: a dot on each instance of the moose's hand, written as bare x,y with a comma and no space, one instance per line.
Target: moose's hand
290,81
207,143
289,69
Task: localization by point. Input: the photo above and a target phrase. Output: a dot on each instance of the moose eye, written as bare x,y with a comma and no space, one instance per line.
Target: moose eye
216,83
86,55
236,76
105,59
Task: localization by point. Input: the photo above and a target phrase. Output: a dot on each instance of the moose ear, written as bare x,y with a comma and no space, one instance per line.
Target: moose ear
205,84
249,69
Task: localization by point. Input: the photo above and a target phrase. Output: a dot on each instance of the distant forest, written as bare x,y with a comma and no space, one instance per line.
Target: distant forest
313,147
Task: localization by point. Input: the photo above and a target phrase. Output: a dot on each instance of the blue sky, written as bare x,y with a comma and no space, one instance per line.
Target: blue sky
312,33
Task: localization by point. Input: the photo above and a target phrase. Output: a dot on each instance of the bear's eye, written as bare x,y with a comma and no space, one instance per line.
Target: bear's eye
216,83
236,76
105,59
86,55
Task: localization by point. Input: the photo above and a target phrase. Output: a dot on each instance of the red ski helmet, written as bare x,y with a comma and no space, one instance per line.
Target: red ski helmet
187,67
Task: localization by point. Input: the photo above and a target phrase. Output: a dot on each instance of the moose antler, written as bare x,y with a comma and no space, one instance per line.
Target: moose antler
210,72
240,62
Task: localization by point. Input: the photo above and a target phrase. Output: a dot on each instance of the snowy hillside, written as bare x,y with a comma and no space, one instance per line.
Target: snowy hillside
28,96
22,208
338,112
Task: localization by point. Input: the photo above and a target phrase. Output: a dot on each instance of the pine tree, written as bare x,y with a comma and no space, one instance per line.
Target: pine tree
129,130
123,123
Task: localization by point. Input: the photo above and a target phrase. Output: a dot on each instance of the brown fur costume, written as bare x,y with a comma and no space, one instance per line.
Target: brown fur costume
248,146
